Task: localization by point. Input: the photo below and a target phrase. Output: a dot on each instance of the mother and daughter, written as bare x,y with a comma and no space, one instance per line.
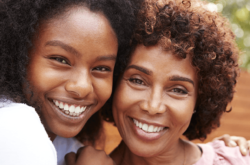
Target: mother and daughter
176,77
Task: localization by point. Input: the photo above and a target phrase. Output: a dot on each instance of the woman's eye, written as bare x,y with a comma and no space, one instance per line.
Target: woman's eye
136,81
102,69
179,91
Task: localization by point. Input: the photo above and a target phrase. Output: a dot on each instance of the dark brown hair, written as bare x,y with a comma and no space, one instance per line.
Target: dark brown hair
187,28
19,21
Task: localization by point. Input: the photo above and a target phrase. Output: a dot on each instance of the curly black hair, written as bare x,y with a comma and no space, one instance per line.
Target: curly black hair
187,28
19,21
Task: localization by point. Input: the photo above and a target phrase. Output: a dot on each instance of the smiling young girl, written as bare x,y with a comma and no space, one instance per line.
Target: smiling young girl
178,80
58,57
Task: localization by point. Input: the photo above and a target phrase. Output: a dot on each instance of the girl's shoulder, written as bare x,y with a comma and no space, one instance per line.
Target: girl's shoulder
18,112
23,134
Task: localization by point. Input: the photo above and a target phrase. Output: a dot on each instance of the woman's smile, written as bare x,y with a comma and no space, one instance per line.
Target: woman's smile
148,132
154,100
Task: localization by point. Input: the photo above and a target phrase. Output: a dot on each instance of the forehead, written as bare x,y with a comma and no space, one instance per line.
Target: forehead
79,22
80,28
157,60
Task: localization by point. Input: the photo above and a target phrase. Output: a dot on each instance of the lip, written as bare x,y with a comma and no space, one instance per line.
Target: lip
147,136
149,122
65,117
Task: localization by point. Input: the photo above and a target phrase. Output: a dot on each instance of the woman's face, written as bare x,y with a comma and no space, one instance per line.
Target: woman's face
154,100
71,69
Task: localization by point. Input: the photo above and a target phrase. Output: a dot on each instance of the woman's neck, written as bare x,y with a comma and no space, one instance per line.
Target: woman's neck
181,153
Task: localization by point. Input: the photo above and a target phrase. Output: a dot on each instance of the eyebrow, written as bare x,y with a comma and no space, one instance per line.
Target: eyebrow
180,78
106,58
62,45
75,52
141,69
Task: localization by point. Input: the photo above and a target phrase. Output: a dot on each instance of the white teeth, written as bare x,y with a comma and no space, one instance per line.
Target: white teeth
77,110
61,105
57,104
146,127
150,128
70,109
155,129
136,122
140,124
82,109
66,107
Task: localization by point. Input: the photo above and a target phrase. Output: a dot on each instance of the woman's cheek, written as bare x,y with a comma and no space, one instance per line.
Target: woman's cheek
180,114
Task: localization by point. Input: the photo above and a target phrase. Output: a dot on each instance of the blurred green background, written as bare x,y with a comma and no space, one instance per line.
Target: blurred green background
238,12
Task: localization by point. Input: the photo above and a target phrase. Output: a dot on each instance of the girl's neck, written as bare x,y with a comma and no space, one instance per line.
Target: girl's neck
51,135
183,153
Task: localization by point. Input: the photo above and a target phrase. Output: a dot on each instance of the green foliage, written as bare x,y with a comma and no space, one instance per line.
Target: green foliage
238,12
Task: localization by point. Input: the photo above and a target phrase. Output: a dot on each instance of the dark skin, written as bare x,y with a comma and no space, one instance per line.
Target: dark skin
159,91
85,154
72,61
134,78
88,155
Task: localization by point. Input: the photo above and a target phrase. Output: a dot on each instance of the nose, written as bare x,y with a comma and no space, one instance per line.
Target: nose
79,84
153,104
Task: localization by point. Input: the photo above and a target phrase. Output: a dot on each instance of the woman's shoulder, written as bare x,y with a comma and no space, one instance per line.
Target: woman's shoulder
216,153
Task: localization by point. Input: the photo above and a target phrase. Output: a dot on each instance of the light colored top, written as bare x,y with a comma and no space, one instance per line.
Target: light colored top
216,153
64,146
23,139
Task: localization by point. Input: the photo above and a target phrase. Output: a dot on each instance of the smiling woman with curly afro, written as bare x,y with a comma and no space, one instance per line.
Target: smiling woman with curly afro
177,79
207,38
188,30
58,56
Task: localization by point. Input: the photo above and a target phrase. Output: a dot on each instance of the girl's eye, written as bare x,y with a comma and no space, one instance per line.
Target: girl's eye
61,60
180,91
136,81
102,69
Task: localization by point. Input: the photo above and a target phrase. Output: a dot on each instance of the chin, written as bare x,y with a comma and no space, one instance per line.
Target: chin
71,132
144,152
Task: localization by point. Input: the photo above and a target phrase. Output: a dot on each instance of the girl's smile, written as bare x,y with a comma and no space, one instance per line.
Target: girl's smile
70,109
71,69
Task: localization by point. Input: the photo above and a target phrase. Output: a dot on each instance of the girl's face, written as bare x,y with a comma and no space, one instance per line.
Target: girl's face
71,69
154,100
